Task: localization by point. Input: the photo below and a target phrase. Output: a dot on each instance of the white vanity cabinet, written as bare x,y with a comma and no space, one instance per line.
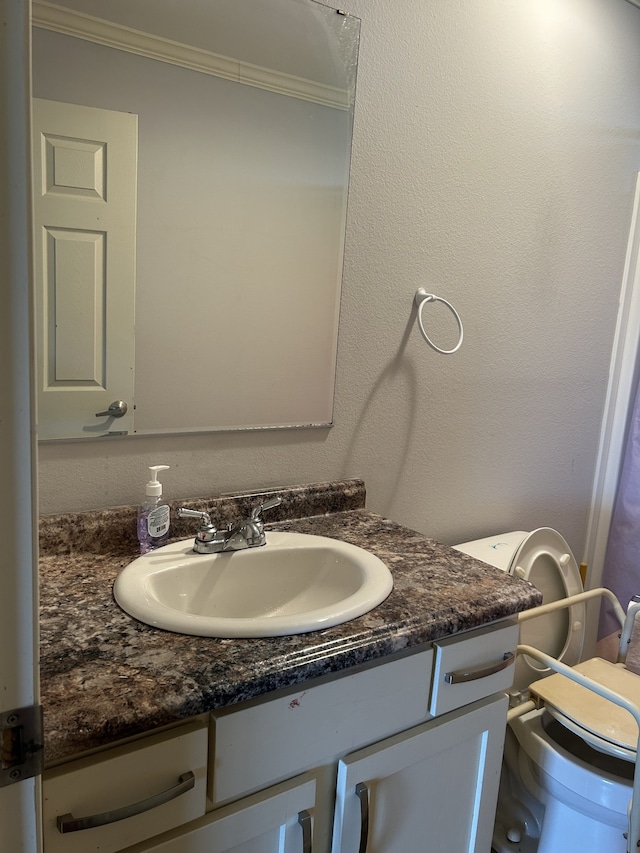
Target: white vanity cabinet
360,763
432,788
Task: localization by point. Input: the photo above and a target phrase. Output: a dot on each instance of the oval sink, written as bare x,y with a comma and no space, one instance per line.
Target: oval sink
294,584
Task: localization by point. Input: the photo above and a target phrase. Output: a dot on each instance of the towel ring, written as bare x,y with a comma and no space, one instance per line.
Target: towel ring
421,299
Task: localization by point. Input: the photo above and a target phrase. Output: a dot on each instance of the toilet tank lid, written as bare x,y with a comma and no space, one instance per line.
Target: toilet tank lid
495,550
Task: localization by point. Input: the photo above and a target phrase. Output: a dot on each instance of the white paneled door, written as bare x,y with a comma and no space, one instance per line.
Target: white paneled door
84,195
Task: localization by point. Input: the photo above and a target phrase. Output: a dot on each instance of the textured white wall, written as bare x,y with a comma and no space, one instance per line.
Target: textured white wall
496,147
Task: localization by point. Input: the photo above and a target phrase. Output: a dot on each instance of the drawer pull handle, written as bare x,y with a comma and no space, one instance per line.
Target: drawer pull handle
477,672
69,823
304,819
362,793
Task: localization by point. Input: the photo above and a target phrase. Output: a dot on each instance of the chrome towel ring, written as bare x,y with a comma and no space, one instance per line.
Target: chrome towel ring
421,299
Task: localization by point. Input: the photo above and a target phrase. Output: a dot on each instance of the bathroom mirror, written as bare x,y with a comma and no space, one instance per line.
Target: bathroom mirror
241,112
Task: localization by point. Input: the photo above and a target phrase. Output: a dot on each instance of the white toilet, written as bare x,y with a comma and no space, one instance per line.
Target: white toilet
564,788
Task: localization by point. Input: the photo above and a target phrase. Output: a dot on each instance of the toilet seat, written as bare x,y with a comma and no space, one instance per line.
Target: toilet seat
544,559
592,738
603,725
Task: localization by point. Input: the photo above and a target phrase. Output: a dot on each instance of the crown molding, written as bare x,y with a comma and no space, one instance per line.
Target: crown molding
49,16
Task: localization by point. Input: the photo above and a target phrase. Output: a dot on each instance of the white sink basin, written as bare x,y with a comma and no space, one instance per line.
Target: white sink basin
293,584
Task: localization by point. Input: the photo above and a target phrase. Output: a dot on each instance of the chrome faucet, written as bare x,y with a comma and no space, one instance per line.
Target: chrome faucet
248,533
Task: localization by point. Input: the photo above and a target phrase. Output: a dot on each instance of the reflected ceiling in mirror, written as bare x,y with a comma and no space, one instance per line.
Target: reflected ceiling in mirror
244,118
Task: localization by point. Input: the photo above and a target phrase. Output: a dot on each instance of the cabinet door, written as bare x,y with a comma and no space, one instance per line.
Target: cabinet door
430,789
277,820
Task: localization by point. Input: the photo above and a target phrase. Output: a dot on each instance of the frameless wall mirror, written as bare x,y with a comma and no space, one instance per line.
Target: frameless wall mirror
191,165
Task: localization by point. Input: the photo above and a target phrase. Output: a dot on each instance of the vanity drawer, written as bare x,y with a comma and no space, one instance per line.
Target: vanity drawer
273,740
164,776
469,667
267,821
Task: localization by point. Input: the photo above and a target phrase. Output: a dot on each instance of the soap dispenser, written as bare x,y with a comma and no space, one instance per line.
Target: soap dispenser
154,515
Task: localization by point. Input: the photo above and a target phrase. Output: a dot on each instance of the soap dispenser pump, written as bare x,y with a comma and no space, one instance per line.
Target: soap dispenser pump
154,515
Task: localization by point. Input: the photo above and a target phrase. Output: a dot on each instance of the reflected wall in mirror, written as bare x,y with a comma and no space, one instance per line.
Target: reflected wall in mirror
244,119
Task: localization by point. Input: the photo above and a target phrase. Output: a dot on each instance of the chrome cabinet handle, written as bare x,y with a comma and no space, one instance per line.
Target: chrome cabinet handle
69,823
362,793
117,409
304,819
477,672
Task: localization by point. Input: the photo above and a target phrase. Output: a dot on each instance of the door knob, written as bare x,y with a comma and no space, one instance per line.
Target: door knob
117,409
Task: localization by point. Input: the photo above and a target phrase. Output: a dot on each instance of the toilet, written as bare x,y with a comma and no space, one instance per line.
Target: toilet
564,787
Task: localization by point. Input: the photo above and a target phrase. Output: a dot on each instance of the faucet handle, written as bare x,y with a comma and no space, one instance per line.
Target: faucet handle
204,517
257,511
207,537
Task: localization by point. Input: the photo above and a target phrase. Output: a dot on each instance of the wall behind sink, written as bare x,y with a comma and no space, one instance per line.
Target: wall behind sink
495,153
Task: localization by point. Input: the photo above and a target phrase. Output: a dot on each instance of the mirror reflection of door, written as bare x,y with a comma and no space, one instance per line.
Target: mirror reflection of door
245,113
85,164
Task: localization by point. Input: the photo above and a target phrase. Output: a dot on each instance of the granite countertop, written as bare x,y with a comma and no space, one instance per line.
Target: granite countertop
105,676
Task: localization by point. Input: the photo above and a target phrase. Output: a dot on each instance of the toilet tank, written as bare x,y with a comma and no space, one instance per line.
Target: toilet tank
496,550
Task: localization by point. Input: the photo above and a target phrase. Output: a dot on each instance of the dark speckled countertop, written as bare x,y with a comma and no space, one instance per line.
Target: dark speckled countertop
106,676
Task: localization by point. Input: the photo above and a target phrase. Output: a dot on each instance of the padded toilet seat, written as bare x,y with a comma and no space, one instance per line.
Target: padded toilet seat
603,725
